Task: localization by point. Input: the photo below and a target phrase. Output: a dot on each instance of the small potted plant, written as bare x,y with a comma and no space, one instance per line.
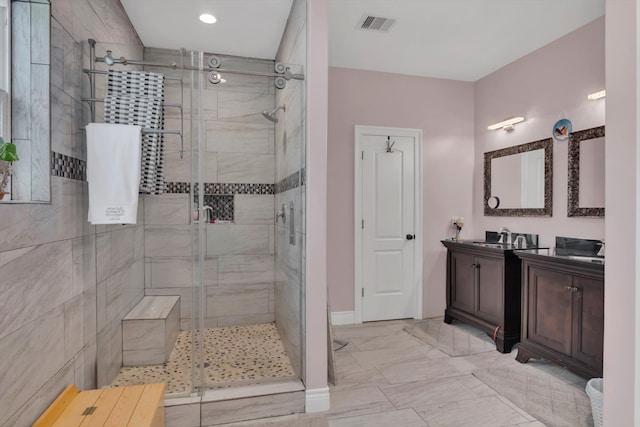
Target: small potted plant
8,155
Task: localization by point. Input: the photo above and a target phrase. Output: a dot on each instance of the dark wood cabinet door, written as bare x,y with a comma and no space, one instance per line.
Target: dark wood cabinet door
490,290
463,273
549,310
588,321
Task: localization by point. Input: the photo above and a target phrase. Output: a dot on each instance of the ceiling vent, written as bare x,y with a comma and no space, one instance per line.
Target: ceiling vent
375,23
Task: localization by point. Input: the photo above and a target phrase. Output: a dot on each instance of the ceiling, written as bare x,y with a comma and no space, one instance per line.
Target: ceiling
250,28
453,39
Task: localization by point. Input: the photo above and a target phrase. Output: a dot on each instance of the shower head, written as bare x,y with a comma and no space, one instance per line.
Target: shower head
271,115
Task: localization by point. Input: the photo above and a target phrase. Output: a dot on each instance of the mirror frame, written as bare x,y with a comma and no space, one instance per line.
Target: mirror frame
573,190
547,145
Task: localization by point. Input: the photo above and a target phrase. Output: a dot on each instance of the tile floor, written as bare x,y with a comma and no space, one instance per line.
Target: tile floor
389,378
233,354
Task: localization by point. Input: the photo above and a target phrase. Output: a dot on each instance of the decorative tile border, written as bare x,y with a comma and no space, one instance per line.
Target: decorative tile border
220,188
288,183
573,202
177,187
68,167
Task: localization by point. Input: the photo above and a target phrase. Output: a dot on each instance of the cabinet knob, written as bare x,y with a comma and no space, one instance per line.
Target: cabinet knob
475,265
571,288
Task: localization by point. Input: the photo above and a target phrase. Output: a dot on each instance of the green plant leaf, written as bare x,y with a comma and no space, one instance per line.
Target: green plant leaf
8,152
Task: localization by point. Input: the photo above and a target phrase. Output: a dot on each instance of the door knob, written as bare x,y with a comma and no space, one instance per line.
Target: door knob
411,236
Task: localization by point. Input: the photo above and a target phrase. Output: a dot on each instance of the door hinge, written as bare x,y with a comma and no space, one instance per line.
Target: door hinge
363,292
362,154
363,224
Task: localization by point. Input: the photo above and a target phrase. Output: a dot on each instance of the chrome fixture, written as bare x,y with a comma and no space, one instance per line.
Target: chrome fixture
270,115
282,213
601,251
108,58
207,213
505,235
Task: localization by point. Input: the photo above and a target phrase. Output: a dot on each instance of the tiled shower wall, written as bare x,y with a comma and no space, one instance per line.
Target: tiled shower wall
290,176
238,149
56,320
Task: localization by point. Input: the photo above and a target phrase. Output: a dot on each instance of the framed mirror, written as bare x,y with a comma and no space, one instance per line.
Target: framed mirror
520,177
586,173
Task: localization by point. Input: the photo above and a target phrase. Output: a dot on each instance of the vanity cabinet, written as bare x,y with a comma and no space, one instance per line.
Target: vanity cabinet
563,313
483,289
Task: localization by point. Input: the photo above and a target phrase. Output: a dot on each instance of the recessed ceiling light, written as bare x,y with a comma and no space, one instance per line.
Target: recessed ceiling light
207,18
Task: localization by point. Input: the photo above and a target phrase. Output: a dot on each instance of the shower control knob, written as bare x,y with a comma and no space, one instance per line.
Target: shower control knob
411,236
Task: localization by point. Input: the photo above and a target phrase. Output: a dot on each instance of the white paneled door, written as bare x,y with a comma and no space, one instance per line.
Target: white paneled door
386,190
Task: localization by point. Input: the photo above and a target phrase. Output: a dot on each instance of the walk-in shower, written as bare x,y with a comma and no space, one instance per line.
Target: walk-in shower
211,238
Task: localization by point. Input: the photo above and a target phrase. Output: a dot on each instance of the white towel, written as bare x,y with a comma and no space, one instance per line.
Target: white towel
113,172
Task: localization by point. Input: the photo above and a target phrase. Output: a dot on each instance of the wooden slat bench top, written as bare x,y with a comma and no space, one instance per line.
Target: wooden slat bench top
134,406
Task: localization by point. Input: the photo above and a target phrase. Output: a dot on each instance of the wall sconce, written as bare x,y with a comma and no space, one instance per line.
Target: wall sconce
507,124
596,95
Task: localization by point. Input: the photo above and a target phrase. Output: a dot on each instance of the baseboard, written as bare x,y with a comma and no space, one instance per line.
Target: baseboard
317,400
343,318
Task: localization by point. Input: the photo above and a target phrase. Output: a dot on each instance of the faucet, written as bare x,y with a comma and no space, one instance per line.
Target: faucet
601,251
207,213
505,235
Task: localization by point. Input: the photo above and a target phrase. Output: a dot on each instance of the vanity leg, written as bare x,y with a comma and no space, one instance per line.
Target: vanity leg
448,319
522,356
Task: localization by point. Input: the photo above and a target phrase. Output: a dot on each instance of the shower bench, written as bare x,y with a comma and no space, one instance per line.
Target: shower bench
134,406
150,330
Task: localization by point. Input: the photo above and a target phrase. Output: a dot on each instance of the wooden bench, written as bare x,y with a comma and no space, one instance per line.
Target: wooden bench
150,330
134,406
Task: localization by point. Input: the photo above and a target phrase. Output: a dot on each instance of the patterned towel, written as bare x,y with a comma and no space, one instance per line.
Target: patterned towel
136,98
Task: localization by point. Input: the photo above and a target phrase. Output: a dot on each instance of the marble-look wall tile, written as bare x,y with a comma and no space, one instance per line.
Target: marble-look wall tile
103,256
29,357
179,170
20,180
34,281
22,225
121,249
253,209
175,272
40,42
165,241
243,106
182,415
230,137
61,121
238,300
40,131
103,361
186,301
21,70
241,83
230,239
213,413
31,410
73,326
89,361
245,269
246,168
172,209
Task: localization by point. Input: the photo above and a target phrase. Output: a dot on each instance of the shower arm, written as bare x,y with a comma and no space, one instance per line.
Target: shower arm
174,66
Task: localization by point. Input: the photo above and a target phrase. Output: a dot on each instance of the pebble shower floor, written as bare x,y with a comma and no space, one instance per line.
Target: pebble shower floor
232,354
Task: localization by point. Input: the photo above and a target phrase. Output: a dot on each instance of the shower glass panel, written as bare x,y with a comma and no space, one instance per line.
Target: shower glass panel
198,223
